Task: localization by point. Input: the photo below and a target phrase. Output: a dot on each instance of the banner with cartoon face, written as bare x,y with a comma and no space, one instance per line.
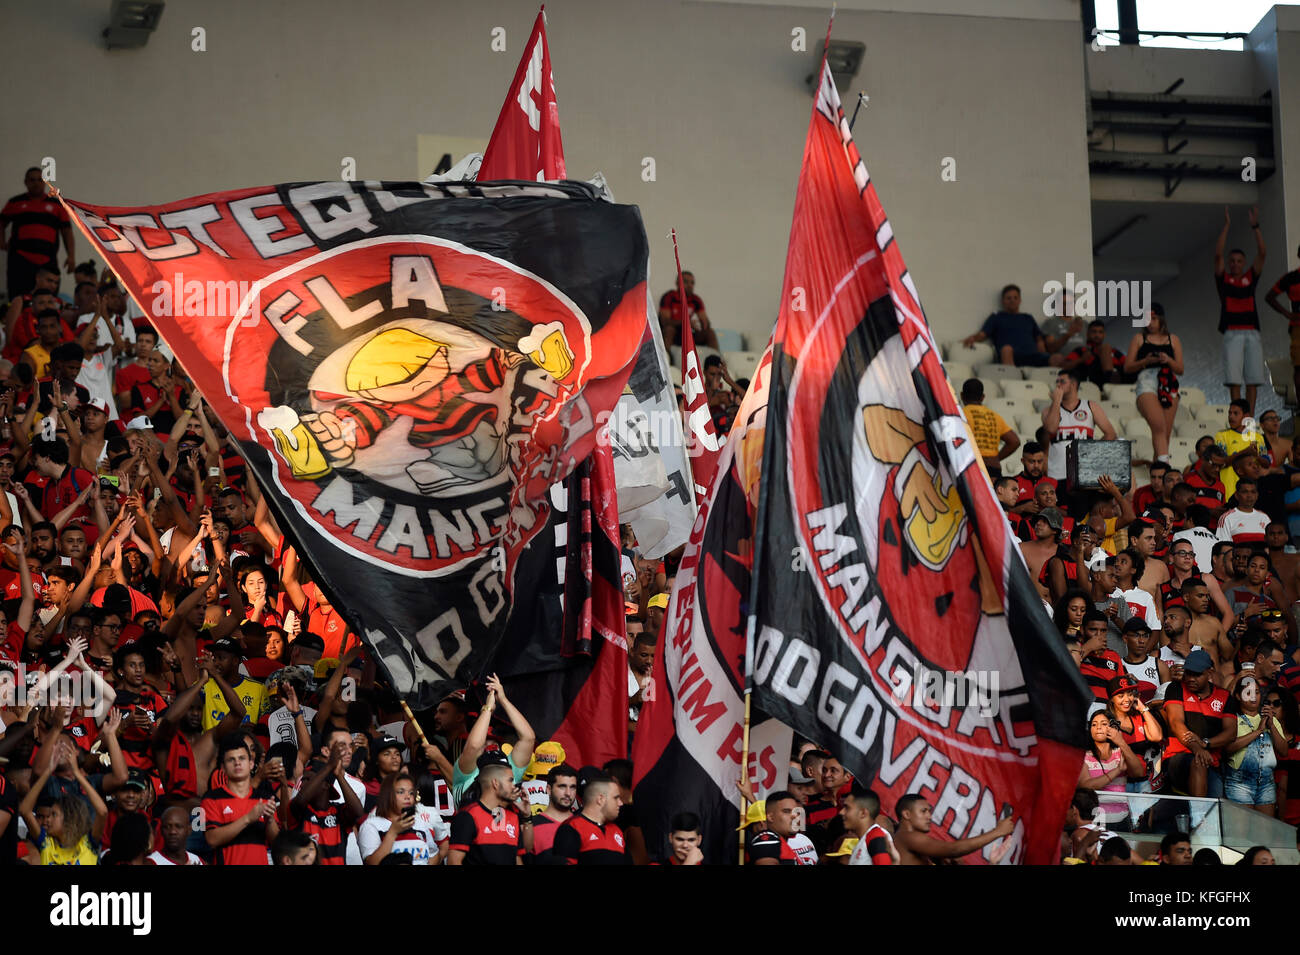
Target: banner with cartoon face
894,620
408,368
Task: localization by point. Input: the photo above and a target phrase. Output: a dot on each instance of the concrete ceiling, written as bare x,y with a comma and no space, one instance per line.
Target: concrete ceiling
1154,246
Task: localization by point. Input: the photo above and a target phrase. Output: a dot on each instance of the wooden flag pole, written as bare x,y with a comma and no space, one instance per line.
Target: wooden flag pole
418,728
744,772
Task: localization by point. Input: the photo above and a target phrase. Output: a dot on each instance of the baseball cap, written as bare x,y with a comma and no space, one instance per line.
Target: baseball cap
846,848
757,812
546,757
387,742
135,779
797,776
309,641
1121,684
493,757
99,404
140,422
1198,661
1136,625
1055,520
659,600
226,645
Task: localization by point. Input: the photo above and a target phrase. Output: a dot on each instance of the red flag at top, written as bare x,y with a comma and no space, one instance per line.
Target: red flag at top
703,442
526,142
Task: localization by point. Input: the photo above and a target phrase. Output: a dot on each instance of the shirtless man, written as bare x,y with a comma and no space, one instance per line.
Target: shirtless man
1182,568
1037,551
1287,565
917,847
1177,623
1142,538
1207,630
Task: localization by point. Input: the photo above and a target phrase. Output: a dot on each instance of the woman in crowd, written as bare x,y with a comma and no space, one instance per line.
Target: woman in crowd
1251,757
1155,355
1108,764
393,827
1067,614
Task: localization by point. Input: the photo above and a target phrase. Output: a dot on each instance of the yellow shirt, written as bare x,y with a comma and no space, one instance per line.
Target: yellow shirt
251,693
988,427
1234,442
54,854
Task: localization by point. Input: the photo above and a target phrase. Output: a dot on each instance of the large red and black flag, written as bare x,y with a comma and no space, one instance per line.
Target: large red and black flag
894,619
408,368
687,754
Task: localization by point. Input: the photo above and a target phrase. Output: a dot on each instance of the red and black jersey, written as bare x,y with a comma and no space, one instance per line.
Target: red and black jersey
181,775
1207,494
1099,669
1289,285
130,376
878,846
1020,526
821,811
221,807
37,221
544,831
1237,300
51,496
134,741
1067,560
1169,589
768,845
487,837
1028,485
583,842
325,826
1204,717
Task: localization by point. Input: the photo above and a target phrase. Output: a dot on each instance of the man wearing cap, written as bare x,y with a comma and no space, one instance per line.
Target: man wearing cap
1147,671
1046,525
656,608
562,793
306,650
1199,728
223,656
1104,600
592,837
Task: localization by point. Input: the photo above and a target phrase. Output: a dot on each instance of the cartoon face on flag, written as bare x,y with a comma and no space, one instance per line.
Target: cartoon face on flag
408,368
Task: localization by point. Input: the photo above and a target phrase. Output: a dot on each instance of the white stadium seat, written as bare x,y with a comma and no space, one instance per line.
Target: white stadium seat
1028,390
1125,393
1181,451
1215,414
1007,407
729,339
1046,375
991,371
1090,391
741,364
977,354
1190,396
958,372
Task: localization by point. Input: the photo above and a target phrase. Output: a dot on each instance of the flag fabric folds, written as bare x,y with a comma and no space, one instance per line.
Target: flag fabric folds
703,438
526,141
894,619
687,752
408,368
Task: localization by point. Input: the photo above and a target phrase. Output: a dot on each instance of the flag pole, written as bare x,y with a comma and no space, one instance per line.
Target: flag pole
686,329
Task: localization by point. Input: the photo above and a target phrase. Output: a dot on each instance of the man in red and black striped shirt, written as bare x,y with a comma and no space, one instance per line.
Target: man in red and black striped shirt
592,837
239,821
562,792
39,222
312,812
490,831
1243,353
141,705
1099,665
859,812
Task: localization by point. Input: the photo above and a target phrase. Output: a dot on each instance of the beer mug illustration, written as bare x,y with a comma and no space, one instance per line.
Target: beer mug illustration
295,444
547,348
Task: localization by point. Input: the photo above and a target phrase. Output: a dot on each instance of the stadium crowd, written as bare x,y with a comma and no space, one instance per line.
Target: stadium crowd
175,690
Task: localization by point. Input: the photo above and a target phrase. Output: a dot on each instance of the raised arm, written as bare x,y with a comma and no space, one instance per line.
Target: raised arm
1222,242
1260,251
